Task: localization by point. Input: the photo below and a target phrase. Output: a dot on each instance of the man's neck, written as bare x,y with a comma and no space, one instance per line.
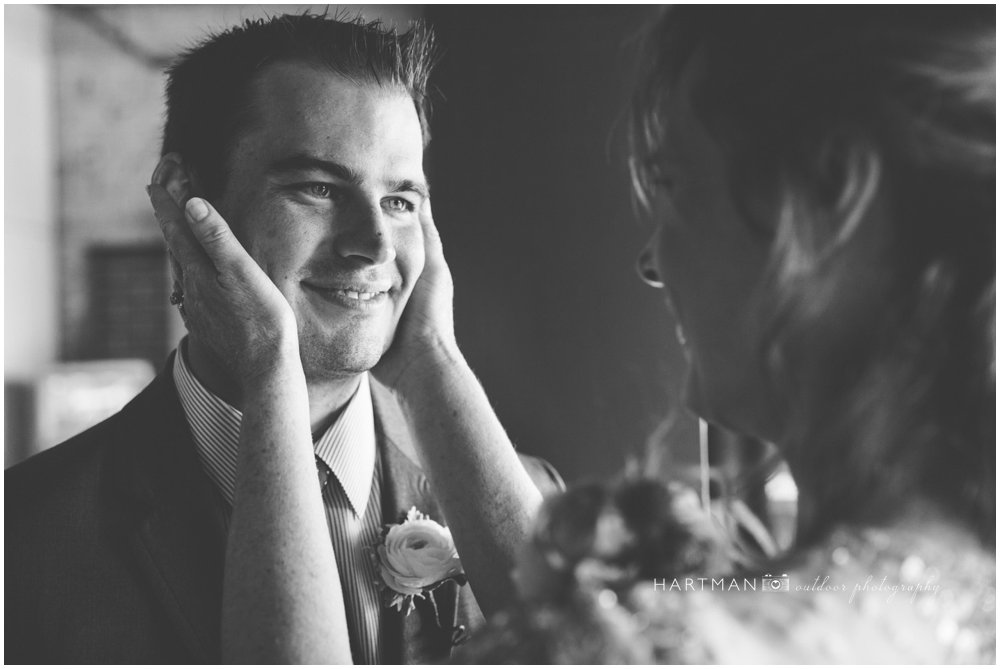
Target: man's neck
326,399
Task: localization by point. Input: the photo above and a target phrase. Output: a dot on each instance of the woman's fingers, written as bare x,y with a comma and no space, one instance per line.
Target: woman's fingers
199,236
217,240
183,246
432,240
229,304
175,267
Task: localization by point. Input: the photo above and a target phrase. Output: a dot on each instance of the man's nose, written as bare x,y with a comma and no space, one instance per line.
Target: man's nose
646,264
363,234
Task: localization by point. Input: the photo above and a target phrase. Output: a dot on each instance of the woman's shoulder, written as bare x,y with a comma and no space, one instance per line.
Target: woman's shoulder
910,594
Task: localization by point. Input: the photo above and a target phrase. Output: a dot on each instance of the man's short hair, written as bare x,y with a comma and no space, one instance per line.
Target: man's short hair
209,87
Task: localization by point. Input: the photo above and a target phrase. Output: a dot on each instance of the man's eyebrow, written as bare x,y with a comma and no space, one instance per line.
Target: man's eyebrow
421,188
303,161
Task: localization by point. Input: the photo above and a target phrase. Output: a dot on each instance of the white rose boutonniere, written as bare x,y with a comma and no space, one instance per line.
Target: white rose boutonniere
415,557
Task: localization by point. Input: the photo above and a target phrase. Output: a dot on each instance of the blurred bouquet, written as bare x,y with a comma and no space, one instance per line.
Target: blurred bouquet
584,576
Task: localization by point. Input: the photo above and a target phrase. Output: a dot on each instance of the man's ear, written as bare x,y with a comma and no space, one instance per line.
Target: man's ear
174,175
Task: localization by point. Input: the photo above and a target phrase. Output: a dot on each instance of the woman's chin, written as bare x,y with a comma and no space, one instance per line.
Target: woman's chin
730,405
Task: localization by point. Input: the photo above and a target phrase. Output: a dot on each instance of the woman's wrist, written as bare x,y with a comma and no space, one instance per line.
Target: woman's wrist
282,365
436,359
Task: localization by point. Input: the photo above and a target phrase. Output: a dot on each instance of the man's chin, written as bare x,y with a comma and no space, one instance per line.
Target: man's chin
334,359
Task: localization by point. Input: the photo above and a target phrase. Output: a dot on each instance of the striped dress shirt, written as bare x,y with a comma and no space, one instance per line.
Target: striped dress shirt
351,497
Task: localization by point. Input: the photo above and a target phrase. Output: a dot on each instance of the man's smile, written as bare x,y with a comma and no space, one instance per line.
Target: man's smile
352,296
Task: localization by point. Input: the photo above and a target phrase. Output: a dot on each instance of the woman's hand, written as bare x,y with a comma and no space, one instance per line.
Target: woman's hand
482,488
282,601
426,330
229,303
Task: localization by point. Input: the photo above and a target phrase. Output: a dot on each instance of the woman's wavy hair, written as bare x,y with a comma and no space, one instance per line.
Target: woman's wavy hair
861,144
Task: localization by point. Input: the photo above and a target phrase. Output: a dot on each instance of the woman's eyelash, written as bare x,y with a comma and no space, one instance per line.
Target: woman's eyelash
661,179
663,182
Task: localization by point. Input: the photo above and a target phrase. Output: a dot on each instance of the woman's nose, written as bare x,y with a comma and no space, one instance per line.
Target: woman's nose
646,266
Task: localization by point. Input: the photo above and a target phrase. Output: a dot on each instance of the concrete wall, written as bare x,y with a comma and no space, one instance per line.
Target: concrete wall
30,207
30,231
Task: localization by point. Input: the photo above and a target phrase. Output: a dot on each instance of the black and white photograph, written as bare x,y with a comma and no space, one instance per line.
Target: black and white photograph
499,334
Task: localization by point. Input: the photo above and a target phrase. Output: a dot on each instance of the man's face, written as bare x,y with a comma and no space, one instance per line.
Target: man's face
324,191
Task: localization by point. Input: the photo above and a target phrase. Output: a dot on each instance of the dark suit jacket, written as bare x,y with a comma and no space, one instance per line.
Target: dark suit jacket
115,544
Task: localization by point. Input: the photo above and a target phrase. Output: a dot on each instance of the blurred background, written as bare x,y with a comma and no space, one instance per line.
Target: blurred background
531,195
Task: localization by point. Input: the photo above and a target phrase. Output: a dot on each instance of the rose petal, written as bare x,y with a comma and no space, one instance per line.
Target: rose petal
417,553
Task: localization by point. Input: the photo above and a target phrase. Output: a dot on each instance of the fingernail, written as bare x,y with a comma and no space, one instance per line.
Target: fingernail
197,209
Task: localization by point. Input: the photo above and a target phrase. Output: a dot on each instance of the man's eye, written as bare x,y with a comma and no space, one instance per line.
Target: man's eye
319,190
398,204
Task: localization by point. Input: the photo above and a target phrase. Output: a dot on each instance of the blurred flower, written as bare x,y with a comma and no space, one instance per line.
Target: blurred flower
582,630
579,578
607,536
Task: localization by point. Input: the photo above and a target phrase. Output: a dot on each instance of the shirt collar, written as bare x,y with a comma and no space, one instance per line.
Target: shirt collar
347,447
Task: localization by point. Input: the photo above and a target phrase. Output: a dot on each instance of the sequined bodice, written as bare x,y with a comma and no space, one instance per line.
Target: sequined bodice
911,594
921,590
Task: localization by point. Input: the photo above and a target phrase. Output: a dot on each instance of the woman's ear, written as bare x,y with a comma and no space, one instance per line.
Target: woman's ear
174,175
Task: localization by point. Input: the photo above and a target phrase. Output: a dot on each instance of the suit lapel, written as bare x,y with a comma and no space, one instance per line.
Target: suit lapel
425,635
178,540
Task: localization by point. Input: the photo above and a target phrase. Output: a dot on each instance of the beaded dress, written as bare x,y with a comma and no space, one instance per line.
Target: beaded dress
922,593
920,590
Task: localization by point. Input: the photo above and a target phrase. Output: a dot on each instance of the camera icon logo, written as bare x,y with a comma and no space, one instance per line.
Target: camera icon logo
774,583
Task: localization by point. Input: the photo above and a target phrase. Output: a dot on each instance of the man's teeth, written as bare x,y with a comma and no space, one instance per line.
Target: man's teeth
355,295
